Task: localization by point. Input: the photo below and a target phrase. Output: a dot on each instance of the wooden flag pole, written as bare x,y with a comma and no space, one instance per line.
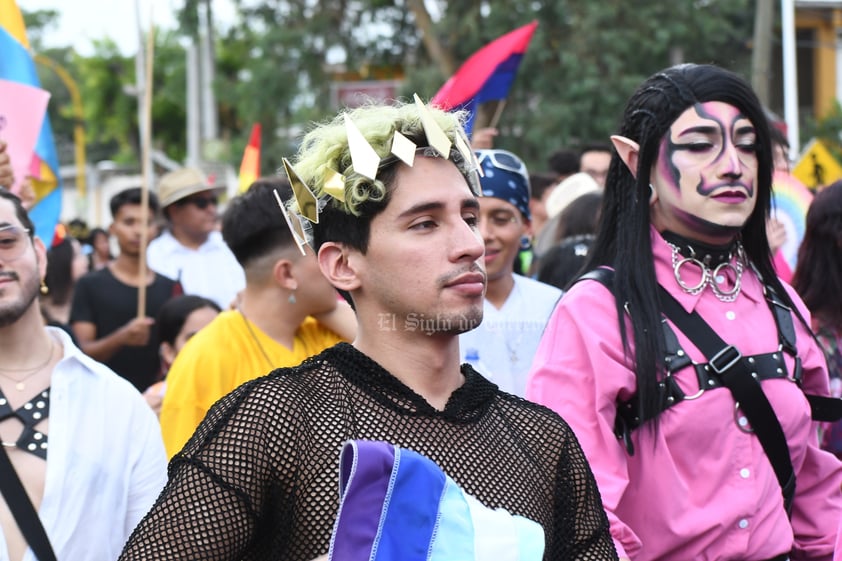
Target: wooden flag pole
498,111
146,155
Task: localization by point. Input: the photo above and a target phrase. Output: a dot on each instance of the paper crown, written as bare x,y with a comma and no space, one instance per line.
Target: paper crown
366,162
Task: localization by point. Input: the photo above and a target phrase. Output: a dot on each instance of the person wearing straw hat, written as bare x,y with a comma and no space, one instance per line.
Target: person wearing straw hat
191,249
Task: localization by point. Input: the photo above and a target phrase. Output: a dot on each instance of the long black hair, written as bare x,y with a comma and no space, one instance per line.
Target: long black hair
818,275
623,239
59,277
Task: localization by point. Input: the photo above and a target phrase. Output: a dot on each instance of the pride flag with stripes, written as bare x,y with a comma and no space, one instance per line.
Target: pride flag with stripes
250,165
487,75
397,505
17,65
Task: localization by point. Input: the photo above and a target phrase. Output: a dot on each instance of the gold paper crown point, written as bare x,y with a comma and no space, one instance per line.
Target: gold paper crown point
363,157
436,137
463,145
297,233
308,204
334,185
403,148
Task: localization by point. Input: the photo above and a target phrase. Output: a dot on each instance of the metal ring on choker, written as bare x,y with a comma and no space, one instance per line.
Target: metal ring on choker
691,289
737,280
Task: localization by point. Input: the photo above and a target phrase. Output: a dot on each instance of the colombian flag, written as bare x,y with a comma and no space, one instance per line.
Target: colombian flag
250,166
17,65
487,75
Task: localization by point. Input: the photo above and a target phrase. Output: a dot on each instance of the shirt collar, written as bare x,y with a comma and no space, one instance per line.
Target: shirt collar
470,401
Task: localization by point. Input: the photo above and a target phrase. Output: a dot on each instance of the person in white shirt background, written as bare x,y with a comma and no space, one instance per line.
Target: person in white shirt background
516,308
191,250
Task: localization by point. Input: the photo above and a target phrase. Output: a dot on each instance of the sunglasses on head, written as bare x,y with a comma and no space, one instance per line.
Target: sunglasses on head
503,160
199,202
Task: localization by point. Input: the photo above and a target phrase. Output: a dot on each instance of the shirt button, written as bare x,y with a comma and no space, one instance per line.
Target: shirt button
744,473
730,315
743,524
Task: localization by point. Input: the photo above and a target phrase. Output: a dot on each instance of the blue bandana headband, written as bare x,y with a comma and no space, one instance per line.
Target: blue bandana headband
505,177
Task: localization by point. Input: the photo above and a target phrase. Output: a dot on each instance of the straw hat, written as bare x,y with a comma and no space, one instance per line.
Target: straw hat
181,183
569,190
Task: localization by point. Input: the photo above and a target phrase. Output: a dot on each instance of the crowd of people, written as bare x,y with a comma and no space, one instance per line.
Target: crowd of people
600,360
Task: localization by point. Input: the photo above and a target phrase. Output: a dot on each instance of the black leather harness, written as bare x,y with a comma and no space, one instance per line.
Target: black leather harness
726,367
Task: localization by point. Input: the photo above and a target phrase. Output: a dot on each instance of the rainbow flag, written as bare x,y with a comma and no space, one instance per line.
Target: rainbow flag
487,75
250,166
17,65
790,201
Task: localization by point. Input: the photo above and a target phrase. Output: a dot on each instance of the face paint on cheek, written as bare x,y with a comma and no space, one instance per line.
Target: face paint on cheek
705,227
666,166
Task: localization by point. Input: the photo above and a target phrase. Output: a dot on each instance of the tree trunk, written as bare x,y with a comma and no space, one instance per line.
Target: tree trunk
424,23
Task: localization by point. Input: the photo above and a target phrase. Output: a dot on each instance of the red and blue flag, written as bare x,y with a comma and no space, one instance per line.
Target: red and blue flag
487,75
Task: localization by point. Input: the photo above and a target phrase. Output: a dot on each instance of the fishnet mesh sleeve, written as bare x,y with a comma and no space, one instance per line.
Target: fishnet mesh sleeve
214,504
581,525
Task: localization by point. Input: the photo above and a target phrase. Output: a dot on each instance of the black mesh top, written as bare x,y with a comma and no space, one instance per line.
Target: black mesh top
259,478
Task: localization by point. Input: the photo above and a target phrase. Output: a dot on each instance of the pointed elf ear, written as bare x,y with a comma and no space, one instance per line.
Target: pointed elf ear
628,150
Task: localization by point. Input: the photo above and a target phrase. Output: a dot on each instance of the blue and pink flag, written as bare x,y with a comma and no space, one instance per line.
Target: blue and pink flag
17,65
397,505
487,75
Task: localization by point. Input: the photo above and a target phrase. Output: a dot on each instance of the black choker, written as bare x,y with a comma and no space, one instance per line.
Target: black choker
697,265
709,255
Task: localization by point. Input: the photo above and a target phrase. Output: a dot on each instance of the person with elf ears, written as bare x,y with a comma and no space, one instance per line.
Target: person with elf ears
685,366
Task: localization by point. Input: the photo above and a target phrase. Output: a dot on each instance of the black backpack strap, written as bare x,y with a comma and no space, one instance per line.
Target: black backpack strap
602,275
23,510
725,361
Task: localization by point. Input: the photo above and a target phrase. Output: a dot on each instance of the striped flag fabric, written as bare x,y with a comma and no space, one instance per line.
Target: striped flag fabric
17,65
396,504
487,75
250,166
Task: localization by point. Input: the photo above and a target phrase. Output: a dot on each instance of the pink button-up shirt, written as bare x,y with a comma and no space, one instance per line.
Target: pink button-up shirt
698,487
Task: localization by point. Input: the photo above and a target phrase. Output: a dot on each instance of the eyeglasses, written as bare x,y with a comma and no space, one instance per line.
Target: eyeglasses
12,242
199,202
501,159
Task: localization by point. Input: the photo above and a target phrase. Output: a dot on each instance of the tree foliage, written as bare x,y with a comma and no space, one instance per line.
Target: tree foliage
277,62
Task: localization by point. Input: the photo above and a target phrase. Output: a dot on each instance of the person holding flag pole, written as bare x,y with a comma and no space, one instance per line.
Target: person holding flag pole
486,76
146,147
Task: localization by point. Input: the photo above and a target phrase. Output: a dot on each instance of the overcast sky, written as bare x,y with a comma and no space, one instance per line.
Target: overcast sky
81,21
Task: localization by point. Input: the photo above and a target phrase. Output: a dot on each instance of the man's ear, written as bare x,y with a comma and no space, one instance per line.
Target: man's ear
41,255
282,274
167,353
338,267
628,150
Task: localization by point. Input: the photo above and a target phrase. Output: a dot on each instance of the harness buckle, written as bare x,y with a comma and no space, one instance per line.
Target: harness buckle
725,359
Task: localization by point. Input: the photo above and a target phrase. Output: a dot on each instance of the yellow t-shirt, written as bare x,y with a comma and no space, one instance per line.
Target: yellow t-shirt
219,358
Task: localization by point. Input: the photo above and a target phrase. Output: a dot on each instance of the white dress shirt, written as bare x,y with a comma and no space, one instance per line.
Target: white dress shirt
106,463
211,270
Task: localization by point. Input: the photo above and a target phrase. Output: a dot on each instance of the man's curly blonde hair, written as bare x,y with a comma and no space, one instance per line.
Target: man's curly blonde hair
326,148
